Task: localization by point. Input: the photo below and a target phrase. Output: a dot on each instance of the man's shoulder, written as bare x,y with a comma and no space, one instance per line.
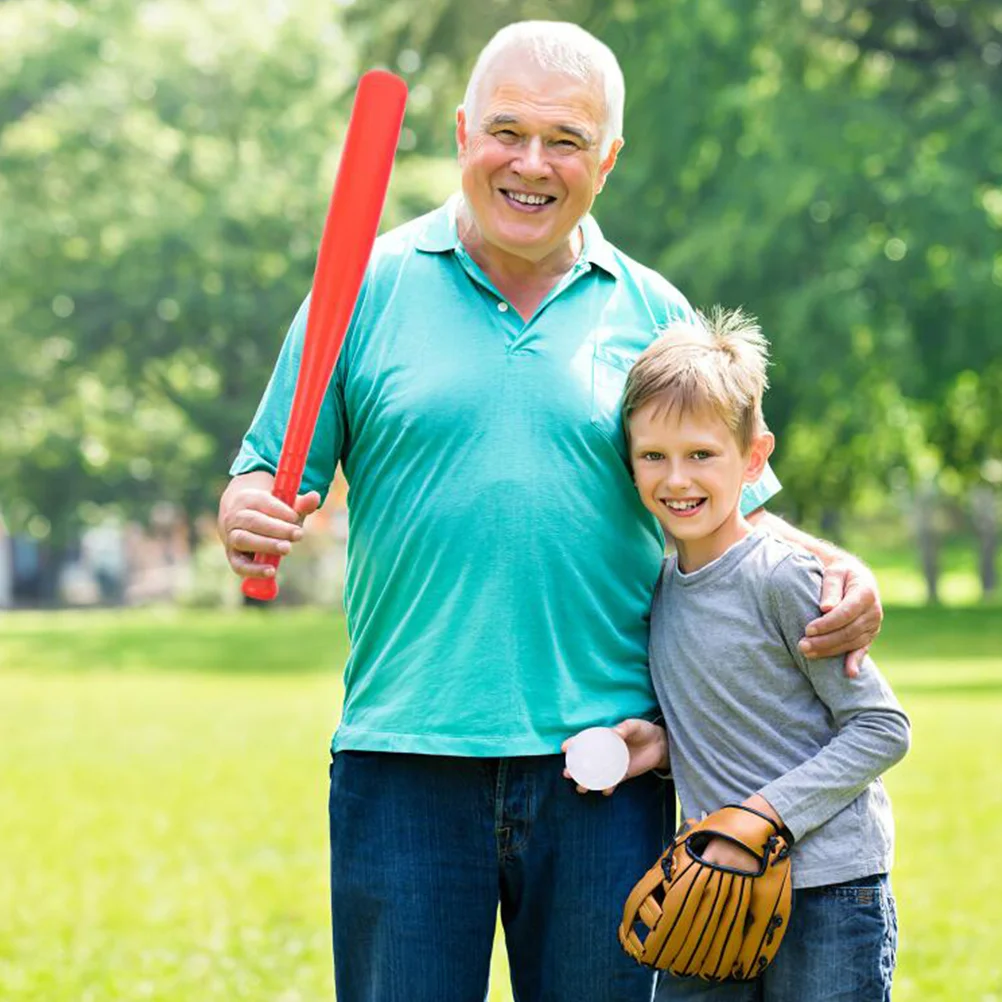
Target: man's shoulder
404,239
398,261
666,301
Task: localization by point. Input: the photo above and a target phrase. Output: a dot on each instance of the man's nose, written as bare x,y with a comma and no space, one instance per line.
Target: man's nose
532,160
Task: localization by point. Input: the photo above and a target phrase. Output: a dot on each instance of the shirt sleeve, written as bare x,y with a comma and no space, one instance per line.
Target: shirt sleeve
262,444
755,495
872,730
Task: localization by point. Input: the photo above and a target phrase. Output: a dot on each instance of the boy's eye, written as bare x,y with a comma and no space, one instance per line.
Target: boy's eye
652,457
702,454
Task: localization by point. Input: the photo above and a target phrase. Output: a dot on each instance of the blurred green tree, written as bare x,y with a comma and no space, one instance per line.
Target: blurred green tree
165,172
164,169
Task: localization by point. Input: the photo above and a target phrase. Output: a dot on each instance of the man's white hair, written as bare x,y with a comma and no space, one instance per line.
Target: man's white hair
558,47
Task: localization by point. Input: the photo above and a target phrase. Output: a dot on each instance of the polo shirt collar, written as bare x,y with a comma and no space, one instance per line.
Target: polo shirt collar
440,236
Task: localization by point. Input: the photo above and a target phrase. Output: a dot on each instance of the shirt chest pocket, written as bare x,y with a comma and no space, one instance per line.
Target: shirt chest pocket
609,369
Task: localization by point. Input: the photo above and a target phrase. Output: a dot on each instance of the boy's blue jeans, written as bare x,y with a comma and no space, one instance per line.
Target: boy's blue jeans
424,848
840,947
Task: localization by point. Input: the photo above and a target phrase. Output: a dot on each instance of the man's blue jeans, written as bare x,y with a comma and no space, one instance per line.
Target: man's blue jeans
840,947
424,848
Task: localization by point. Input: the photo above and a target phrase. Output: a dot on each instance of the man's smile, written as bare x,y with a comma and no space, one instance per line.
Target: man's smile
525,201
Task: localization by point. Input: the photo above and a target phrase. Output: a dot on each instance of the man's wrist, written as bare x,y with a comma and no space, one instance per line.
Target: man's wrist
663,769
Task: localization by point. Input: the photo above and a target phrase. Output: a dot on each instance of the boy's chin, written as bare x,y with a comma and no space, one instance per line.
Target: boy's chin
672,528
682,531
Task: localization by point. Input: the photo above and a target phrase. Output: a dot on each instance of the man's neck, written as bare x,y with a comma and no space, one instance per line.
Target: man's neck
524,282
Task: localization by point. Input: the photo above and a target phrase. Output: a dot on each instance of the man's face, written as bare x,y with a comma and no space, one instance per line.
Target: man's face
532,165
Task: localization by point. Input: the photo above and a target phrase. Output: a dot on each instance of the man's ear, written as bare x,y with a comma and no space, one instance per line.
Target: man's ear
605,167
461,133
758,455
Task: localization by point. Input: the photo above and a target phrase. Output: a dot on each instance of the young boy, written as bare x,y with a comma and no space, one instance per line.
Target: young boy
749,719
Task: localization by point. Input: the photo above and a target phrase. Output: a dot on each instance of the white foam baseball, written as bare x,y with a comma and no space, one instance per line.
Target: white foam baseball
597,758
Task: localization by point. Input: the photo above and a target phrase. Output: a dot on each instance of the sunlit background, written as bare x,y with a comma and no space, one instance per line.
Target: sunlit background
833,166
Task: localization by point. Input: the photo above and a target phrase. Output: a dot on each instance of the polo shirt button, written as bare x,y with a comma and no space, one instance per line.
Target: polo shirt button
503,307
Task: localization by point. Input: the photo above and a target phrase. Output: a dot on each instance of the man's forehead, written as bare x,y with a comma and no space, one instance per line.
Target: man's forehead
521,91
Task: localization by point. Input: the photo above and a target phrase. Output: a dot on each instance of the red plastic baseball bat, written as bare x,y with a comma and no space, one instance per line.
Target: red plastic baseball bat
349,232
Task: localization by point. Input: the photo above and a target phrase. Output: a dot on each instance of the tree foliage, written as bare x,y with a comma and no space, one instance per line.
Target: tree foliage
835,167
165,171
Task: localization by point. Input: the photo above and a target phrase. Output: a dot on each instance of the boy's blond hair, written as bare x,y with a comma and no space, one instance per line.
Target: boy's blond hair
717,363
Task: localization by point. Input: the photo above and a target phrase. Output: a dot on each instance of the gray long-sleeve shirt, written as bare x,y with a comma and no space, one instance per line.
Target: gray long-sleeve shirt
747,713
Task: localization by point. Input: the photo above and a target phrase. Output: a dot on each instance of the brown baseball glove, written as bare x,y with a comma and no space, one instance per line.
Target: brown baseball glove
693,917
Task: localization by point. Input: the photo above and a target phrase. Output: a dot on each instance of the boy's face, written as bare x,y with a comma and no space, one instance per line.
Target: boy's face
689,470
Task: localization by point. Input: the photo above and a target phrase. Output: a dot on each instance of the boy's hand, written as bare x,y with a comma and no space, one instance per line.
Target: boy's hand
852,614
648,746
723,852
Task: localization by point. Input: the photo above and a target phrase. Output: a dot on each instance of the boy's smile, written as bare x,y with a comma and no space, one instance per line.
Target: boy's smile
690,470
684,508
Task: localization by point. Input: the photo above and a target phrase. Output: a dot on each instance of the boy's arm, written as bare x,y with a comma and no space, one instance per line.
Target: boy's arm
850,602
872,729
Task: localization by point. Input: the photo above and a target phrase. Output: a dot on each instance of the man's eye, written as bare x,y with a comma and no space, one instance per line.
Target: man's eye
506,135
565,145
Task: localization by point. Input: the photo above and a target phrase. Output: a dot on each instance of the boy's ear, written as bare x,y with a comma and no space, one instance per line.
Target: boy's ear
758,455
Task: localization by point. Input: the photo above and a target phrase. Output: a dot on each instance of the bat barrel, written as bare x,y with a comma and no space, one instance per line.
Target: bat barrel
349,232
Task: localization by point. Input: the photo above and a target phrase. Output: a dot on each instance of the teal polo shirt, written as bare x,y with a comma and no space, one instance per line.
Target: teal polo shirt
500,564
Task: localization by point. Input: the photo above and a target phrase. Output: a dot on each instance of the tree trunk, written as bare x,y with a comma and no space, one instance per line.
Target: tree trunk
831,525
927,537
984,515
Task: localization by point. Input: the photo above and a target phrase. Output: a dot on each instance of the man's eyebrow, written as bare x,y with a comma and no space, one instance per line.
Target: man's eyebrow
570,130
495,120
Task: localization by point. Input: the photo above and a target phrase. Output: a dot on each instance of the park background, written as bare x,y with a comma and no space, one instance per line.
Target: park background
835,167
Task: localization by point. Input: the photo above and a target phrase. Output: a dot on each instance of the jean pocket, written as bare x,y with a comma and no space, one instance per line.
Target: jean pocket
609,370
861,891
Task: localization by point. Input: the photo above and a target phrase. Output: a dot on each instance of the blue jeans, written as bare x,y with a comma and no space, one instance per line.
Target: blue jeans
425,848
840,947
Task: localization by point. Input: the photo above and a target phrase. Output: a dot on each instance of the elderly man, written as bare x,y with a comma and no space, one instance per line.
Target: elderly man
500,566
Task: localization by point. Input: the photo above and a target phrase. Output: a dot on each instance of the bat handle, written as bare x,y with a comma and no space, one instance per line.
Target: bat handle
262,589
285,487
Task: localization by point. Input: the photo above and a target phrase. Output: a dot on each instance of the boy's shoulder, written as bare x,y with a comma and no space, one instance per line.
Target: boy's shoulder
759,557
785,560
785,572
762,571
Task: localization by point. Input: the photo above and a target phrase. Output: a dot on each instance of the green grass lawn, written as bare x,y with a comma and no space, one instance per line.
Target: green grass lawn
163,815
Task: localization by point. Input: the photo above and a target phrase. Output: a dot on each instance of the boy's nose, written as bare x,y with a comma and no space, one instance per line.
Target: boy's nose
676,478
